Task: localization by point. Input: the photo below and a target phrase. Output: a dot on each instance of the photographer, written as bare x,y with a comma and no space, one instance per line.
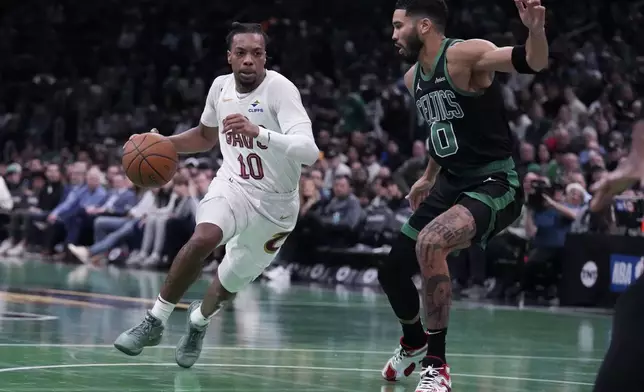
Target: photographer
549,217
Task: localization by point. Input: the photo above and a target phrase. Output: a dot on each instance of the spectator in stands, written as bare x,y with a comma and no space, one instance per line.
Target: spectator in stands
309,195
110,231
548,221
392,157
15,186
6,201
380,225
14,180
6,205
119,200
68,215
333,167
339,218
112,172
318,180
23,207
201,184
182,221
370,162
526,158
88,204
179,204
410,171
49,197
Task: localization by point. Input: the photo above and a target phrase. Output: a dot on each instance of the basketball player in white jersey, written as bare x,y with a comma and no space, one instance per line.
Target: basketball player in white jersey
252,205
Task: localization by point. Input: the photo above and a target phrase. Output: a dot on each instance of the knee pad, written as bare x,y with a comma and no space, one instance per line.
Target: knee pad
401,261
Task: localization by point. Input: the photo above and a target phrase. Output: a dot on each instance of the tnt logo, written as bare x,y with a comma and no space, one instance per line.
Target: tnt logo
254,107
589,274
624,269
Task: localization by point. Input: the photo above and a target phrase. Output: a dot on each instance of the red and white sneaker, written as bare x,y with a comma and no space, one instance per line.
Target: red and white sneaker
435,379
404,362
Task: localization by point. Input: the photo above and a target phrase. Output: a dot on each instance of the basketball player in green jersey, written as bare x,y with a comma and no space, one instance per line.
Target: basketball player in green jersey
470,190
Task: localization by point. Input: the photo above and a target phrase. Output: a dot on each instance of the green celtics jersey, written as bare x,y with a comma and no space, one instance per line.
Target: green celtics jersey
467,130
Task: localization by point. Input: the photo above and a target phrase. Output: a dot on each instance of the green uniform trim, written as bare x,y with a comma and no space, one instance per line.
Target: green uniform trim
496,204
451,82
409,231
429,76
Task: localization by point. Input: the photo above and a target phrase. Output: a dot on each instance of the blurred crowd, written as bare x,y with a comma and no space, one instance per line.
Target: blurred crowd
78,78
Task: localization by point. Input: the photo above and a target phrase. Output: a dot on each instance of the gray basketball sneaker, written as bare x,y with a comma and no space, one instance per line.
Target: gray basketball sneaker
146,334
189,347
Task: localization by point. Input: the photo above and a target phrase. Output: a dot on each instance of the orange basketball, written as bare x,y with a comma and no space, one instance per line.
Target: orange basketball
150,160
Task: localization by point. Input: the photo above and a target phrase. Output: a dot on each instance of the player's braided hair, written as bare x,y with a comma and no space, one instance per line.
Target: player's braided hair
435,10
245,28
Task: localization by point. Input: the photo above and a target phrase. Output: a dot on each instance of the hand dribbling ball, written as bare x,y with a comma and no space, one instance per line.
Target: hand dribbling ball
150,160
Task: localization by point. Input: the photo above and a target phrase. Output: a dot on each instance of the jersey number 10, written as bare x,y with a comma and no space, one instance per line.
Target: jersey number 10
251,167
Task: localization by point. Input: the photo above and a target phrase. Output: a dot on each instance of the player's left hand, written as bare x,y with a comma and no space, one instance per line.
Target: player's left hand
532,13
239,124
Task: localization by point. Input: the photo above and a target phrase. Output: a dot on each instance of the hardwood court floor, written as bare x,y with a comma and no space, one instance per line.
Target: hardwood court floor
58,322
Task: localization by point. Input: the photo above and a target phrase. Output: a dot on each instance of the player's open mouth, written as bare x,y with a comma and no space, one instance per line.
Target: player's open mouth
401,50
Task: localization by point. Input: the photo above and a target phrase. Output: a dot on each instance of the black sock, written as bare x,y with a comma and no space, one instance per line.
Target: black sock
436,343
394,275
414,335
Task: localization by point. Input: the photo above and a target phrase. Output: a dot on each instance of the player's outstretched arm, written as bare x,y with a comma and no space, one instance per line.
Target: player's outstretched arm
629,172
529,58
198,139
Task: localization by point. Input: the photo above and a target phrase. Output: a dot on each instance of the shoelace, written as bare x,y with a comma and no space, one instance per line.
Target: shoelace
399,355
430,380
193,338
143,329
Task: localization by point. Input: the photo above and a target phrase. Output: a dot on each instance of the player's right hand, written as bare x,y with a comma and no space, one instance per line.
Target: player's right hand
419,192
153,130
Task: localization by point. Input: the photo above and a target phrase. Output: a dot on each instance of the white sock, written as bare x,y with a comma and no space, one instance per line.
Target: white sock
198,319
162,309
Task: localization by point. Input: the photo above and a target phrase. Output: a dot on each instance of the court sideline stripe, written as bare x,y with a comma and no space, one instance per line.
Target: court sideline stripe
313,350
40,299
458,306
146,301
292,367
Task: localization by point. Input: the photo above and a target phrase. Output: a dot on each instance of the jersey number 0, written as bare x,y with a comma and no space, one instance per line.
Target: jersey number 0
443,139
251,167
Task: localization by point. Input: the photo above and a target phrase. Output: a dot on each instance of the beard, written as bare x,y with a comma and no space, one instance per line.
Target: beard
414,46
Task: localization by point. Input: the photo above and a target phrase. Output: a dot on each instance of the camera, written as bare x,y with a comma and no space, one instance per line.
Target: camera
539,188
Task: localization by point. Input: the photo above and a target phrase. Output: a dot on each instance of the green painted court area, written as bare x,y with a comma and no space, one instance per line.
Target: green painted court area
58,322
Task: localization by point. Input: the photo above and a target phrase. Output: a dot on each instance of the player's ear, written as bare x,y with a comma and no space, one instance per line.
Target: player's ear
424,25
229,56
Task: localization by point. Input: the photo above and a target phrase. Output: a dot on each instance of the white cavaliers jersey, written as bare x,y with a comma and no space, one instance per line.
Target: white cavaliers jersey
276,105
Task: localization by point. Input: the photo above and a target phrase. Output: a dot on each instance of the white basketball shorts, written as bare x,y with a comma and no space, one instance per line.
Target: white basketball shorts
254,223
